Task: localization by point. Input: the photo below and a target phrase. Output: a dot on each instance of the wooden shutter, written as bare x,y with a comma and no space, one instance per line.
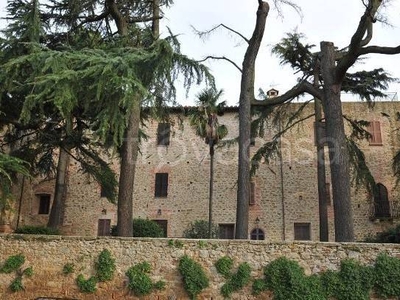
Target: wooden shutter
163,133
161,188
226,231
104,227
374,129
302,231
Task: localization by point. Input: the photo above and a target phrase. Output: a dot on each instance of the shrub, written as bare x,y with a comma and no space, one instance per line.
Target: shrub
387,274
224,266
237,281
391,235
199,230
194,278
105,266
68,268
17,285
13,263
86,285
139,282
146,228
37,230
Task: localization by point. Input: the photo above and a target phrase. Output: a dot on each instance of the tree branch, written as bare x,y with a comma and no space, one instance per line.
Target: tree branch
201,34
297,90
379,50
143,19
221,58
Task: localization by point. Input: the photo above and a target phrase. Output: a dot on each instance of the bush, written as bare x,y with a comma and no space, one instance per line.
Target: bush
143,228
194,278
37,230
13,263
387,274
199,230
105,266
392,235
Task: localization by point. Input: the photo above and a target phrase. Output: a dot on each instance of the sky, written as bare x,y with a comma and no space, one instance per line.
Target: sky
333,21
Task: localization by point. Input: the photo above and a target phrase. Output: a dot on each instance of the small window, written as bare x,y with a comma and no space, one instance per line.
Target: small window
302,231
257,234
103,193
252,200
104,227
44,204
163,134
374,128
381,202
226,231
161,188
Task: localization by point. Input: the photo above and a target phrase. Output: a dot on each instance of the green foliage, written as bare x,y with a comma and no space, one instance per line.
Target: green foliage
199,230
288,282
140,282
259,286
175,243
68,268
193,276
387,274
352,282
146,228
237,281
27,229
105,266
28,272
391,235
224,266
16,285
13,263
86,285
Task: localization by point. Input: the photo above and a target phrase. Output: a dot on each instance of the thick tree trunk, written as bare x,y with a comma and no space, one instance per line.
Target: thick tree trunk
338,151
321,176
57,208
129,153
246,96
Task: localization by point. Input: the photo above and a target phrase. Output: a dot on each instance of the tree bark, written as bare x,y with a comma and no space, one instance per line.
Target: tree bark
129,153
56,213
246,97
338,152
211,189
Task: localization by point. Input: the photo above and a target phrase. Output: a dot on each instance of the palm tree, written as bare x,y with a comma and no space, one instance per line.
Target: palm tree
204,120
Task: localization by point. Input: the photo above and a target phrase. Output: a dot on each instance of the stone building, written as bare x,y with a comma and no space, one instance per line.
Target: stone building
172,180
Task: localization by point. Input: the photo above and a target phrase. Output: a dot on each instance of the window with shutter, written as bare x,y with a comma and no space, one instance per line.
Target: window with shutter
302,231
374,129
104,227
161,188
226,231
163,134
44,204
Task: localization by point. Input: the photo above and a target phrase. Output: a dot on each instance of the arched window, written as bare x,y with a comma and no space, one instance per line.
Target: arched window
381,202
257,234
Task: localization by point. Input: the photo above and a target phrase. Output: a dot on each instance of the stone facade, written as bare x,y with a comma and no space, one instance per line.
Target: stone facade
47,255
285,189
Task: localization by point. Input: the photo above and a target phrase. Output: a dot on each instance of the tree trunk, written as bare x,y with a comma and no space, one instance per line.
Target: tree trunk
246,96
321,176
211,190
129,153
57,208
338,151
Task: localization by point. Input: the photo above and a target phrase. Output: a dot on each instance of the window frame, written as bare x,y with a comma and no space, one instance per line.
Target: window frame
304,235
375,130
161,185
44,208
163,134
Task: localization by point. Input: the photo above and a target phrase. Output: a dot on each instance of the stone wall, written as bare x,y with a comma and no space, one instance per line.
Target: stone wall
48,254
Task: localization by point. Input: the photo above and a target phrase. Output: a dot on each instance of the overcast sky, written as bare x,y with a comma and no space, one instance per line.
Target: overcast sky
333,21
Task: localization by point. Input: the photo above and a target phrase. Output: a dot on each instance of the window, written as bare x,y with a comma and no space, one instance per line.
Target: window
44,204
163,134
374,128
252,200
161,189
104,227
381,202
302,231
226,231
103,193
164,226
257,234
